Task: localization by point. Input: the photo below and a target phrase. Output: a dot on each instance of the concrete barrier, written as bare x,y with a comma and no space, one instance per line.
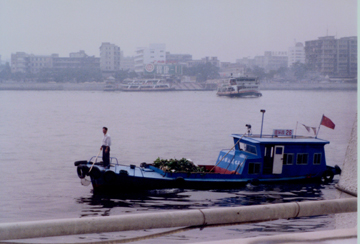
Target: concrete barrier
348,182
200,217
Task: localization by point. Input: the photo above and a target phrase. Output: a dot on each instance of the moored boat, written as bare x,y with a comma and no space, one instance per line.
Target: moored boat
240,87
277,158
146,85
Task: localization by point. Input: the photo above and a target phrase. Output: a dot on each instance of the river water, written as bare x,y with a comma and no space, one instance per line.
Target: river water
43,132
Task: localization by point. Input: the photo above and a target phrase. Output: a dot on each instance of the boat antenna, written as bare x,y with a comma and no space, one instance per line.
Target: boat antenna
262,122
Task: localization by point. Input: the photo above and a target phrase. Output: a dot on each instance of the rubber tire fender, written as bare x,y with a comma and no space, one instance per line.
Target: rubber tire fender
110,177
179,182
77,163
95,173
337,169
327,176
255,182
82,171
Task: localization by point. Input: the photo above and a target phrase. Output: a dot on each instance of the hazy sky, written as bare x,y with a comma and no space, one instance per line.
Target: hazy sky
228,29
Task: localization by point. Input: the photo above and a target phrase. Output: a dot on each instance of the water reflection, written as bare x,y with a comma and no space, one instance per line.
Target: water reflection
177,199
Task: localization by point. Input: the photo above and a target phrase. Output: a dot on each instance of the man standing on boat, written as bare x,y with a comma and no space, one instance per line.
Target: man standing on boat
106,143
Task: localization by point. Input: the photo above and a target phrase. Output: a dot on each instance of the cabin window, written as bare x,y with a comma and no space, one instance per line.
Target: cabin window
268,151
288,159
278,150
302,159
250,148
317,158
254,168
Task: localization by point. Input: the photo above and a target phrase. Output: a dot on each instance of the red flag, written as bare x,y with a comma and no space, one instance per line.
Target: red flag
327,122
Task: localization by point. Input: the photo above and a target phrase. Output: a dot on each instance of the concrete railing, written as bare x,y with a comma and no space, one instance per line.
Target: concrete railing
200,217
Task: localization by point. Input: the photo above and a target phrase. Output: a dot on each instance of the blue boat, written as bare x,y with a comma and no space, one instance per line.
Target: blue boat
255,159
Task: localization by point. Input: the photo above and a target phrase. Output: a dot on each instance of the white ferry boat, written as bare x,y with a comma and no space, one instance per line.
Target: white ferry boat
146,85
240,87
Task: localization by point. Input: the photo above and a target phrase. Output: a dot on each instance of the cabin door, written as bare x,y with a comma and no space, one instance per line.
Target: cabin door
278,159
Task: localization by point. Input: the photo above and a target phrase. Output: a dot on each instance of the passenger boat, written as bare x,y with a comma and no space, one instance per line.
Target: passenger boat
257,159
240,87
146,85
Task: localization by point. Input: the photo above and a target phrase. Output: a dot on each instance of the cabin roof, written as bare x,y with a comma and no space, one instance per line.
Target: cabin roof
270,139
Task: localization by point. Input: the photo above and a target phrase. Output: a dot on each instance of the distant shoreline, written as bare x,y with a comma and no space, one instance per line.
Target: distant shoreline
308,86
19,86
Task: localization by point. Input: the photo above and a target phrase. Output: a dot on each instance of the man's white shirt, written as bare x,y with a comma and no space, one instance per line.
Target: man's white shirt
106,141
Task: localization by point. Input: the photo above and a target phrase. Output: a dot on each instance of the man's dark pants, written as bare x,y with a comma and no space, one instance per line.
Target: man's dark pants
106,156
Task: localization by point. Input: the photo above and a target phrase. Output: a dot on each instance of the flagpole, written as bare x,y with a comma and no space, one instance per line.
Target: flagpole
319,126
296,127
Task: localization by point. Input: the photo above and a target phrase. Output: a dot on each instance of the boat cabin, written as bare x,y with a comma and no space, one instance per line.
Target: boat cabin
240,87
244,81
271,156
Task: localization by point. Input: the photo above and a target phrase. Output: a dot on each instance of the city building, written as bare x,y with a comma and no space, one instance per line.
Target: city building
296,54
79,60
23,62
247,61
109,57
213,60
80,54
321,54
37,62
346,57
273,60
177,58
19,62
332,57
163,70
126,63
154,54
235,69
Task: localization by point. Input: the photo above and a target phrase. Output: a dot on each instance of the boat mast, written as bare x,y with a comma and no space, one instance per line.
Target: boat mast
262,122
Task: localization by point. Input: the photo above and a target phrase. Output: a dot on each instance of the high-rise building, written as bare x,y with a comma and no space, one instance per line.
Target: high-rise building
296,54
346,57
109,57
332,57
154,54
321,54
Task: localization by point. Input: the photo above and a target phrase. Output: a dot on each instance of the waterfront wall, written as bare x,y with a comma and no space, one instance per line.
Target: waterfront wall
348,181
199,217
